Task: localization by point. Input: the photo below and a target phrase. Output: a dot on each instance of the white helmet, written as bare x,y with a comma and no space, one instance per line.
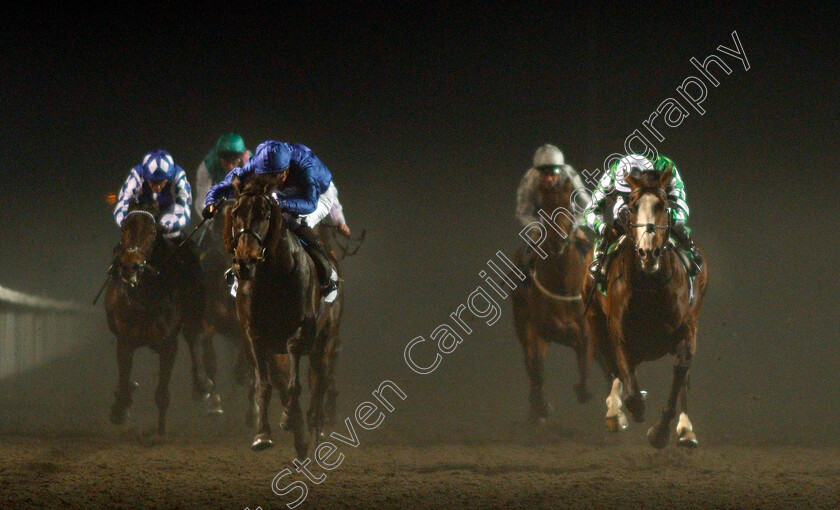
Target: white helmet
548,156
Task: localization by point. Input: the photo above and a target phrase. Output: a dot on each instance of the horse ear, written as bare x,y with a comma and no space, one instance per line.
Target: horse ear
665,178
237,185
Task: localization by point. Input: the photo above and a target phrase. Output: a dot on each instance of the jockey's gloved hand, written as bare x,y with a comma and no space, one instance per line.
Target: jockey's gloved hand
209,211
623,218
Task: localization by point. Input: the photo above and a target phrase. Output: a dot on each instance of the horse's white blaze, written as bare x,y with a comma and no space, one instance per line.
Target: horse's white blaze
643,217
684,425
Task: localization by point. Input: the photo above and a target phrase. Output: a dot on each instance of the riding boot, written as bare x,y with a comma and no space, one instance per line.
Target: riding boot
682,235
327,276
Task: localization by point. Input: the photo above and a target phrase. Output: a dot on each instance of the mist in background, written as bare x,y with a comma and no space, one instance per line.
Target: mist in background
428,118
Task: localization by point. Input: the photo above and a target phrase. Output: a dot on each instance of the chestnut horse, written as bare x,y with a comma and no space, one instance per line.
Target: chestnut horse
149,300
550,308
650,309
278,302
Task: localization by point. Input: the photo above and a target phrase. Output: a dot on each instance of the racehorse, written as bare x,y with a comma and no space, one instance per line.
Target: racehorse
650,309
550,308
149,300
220,316
278,306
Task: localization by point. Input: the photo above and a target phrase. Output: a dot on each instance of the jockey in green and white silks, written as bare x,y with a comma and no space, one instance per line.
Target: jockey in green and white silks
613,182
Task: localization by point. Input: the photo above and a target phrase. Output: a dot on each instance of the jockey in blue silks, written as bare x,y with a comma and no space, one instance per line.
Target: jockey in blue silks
305,193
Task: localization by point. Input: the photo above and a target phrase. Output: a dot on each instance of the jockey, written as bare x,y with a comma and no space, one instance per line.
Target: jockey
305,193
158,178
614,179
549,170
228,153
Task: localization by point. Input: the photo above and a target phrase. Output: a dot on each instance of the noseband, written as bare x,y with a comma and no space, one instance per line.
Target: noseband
247,231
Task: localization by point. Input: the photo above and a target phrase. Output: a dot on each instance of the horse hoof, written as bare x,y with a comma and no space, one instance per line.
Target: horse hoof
261,442
213,405
658,436
617,423
583,394
285,421
636,405
688,439
117,415
200,396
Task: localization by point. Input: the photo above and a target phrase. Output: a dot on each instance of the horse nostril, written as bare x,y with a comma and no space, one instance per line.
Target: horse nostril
657,252
641,252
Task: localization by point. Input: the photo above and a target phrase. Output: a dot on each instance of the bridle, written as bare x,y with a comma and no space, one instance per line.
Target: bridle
144,266
247,231
561,246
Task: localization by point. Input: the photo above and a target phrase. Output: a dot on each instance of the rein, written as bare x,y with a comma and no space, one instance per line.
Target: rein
562,245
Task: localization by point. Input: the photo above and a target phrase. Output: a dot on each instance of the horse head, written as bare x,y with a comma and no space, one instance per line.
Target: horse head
556,202
249,225
649,224
137,240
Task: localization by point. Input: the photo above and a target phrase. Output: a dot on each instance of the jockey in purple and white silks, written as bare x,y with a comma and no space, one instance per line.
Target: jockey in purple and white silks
158,178
306,194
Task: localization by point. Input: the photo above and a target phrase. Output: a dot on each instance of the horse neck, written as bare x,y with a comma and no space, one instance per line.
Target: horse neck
283,244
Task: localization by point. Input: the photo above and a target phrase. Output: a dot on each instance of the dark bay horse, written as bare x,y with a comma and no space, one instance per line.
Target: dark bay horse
650,309
550,308
278,302
149,300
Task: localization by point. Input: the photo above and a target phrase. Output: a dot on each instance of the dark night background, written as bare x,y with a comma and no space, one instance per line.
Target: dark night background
427,117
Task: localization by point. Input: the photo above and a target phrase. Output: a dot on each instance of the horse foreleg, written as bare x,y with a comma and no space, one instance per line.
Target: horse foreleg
201,384
318,378
534,349
660,432
584,353
634,401
122,394
616,419
210,362
294,389
167,361
330,360
262,396
685,431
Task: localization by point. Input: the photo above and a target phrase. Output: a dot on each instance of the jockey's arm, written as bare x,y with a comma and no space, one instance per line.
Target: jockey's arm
676,198
594,214
130,190
177,216
224,189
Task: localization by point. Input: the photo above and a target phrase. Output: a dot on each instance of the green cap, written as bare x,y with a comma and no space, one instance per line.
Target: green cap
230,143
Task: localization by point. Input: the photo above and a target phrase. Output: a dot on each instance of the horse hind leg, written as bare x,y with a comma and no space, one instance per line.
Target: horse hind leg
685,431
125,387
616,420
